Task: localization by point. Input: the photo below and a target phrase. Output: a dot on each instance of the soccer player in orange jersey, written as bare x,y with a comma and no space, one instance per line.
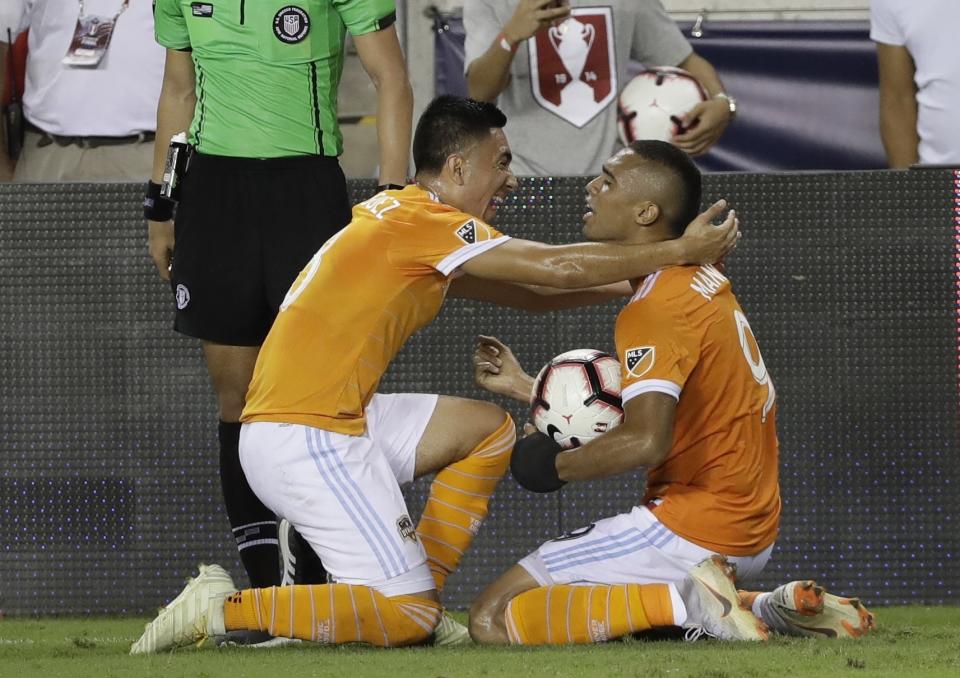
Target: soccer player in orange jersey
324,450
700,411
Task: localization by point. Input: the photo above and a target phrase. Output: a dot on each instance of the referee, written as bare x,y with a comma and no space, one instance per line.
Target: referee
255,83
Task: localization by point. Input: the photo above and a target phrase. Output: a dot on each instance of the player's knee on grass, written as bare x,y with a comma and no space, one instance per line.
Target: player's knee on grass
487,625
488,613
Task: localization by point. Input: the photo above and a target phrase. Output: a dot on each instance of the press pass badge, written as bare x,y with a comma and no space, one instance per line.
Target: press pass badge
91,37
175,166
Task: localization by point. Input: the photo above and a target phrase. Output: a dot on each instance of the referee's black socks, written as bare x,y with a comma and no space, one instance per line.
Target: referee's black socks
254,525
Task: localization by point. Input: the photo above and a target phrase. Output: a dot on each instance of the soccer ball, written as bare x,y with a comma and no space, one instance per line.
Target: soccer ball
576,397
652,98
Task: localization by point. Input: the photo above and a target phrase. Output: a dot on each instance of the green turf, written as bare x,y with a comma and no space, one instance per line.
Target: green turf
911,641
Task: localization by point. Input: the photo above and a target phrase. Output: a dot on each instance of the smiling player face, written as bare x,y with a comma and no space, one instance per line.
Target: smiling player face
487,176
614,197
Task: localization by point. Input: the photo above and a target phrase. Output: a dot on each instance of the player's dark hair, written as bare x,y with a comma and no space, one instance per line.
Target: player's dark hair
449,125
686,180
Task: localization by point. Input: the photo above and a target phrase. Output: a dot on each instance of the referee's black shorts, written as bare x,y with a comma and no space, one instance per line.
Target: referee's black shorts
244,230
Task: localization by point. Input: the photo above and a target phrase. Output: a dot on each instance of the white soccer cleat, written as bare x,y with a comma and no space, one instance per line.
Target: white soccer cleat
713,604
450,632
802,608
192,616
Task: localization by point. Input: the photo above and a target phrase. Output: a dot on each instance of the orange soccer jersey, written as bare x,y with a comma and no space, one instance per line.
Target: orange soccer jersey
684,334
370,287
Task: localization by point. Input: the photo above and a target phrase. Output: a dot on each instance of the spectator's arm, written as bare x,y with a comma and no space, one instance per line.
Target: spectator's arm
898,105
383,60
178,99
707,120
489,74
6,163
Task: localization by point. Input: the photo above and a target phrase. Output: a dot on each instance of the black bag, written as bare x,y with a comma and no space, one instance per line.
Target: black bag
13,111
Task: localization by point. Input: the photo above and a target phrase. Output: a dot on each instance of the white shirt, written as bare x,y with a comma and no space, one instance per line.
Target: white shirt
926,28
117,99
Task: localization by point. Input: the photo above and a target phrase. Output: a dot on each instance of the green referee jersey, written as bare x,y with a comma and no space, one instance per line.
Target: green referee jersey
267,70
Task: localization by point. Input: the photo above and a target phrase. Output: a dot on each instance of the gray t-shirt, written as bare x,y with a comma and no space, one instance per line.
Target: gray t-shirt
561,100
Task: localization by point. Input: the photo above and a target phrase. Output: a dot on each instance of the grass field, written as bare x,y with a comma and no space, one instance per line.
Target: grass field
911,641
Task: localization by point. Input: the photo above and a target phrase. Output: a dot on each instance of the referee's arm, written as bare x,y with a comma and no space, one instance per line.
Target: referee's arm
174,113
384,62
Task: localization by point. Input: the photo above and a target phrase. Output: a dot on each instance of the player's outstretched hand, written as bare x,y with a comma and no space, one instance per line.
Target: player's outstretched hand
160,244
704,242
497,370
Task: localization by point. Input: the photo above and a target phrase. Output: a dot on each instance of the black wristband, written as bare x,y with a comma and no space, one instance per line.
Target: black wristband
534,463
155,206
390,187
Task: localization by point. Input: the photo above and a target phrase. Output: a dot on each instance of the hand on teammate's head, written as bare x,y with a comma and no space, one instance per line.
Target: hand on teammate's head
706,242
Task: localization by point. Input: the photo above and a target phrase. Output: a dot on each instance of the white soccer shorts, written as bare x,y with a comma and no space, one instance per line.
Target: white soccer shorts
342,493
630,548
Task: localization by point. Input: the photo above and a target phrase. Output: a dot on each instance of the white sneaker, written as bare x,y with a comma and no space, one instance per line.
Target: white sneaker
712,603
190,617
450,632
288,557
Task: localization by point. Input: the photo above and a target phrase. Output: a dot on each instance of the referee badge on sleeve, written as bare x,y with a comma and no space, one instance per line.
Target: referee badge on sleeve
639,360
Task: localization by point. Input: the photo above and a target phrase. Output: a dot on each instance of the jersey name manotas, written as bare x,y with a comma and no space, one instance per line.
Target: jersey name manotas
355,304
684,334
267,71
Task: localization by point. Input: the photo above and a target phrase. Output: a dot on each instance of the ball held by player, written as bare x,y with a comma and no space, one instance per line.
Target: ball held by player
576,397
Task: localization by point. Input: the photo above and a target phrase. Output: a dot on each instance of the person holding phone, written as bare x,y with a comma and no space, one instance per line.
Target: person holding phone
556,67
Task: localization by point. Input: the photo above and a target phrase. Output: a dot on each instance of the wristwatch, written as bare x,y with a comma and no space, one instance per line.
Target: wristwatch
731,103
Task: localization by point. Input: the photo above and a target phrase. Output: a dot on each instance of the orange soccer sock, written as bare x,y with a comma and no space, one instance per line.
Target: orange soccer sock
458,501
332,613
557,615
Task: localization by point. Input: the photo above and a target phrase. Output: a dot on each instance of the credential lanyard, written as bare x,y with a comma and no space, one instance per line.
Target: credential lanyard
91,38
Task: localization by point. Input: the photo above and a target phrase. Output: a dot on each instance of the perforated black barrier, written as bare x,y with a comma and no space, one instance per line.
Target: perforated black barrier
108,483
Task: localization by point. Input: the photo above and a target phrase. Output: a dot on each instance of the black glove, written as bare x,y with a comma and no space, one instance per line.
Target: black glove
534,463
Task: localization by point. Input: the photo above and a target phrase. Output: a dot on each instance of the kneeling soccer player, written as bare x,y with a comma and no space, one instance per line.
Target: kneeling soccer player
700,414
322,449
